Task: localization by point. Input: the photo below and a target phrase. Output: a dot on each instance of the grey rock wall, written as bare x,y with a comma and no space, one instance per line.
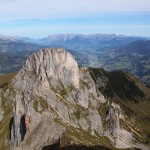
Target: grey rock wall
58,96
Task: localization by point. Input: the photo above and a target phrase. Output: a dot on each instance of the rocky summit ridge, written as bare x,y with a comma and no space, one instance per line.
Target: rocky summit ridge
52,99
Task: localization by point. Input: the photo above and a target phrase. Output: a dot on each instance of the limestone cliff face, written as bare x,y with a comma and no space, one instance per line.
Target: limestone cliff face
53,98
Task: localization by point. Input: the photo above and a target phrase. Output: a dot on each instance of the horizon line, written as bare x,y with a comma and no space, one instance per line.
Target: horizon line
86,34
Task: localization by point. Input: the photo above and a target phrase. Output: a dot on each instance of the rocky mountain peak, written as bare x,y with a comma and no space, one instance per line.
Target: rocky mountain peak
53,64
54,100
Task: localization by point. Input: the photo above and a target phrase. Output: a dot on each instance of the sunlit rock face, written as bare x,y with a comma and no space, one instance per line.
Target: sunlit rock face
53,98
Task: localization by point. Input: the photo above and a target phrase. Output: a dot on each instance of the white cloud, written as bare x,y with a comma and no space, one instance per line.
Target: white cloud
36,9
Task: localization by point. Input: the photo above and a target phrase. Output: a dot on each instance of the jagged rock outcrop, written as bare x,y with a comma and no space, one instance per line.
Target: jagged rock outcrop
53,98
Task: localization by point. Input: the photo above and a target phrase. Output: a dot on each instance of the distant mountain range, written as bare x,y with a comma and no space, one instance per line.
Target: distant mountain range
113,52
138,46
15,38
77,42
86,43
13,44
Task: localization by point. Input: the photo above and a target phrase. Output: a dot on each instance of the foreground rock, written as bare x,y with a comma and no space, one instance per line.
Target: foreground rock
55,99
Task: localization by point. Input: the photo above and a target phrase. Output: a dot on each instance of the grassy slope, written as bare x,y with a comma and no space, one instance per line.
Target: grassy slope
142,108
7,112
131,93
139,102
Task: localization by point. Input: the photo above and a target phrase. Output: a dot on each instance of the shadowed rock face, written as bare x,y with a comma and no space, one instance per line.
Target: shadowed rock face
64,100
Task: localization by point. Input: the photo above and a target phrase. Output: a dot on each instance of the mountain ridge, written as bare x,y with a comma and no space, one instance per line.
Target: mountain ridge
112,52
62,99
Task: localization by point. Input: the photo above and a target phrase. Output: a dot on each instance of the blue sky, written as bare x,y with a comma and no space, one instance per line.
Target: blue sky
39,18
